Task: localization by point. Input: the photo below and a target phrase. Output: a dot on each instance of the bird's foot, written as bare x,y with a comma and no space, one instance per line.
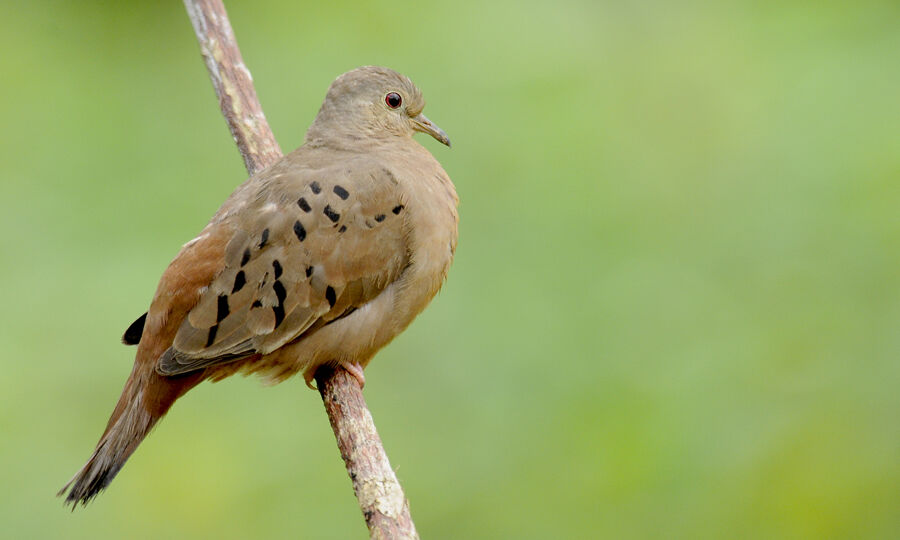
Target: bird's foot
354,369
357,371
309,376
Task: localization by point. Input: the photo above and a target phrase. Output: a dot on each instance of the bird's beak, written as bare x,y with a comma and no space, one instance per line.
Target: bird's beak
423,124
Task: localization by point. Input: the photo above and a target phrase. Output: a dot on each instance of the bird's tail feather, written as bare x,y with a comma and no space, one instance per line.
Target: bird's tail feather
145,399
127,427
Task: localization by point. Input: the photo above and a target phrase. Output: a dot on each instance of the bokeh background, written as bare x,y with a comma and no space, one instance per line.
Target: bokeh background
674,313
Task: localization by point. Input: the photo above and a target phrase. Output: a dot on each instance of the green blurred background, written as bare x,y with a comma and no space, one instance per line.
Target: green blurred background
674,312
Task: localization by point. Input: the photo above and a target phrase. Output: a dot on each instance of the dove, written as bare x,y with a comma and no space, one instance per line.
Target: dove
322,258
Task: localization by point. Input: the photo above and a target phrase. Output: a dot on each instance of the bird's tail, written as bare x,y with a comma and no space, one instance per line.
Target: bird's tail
144,400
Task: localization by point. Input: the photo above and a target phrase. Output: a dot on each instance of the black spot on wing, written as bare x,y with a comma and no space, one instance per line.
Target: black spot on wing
332,215
280,291
341,192
256,304
330,296
304,205
222,310
246,257
309,271
211,338
276,266
132,336
379,218
264,238
342,229
299,231
239,281
397,209
315,187
279,314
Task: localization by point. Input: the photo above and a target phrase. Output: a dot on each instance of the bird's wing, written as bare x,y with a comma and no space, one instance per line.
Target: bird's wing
308,248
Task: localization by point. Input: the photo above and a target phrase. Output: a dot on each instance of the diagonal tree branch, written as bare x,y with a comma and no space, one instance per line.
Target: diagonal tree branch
380,496
233,84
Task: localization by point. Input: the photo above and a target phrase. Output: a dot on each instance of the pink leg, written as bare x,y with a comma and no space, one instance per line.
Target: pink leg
353,369
357,371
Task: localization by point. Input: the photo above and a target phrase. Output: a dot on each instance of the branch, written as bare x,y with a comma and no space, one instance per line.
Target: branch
380,496
233,84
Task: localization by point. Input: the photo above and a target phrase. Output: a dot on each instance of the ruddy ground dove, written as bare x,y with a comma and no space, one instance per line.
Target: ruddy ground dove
322,258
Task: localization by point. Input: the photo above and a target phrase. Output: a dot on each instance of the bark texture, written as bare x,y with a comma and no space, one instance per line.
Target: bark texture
379,493
233,84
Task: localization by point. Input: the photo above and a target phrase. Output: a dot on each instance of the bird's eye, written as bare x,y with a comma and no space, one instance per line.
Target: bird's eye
393,100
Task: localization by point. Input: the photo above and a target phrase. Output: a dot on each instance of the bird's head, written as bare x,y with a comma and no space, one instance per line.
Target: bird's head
373,101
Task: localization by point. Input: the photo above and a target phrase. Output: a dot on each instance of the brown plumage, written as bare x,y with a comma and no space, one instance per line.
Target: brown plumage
324,257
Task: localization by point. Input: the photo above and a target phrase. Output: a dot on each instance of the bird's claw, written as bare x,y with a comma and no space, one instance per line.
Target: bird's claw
357,371
354,369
